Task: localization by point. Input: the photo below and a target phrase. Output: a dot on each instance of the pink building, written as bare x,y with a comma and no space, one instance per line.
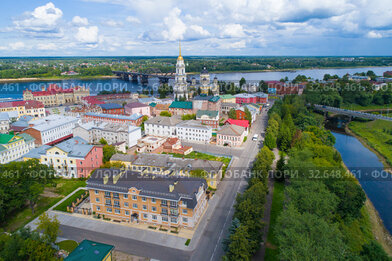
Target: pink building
242,98
137,107
90,162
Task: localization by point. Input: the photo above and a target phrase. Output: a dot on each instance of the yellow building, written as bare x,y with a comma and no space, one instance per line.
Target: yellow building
32,108
134,197
56,96
227,98
13,147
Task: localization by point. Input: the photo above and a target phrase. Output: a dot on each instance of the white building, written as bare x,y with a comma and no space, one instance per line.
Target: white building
4,122
161,126
193,131
113,133
52,129
13,147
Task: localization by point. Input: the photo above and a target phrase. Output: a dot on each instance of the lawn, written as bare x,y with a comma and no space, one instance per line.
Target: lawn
271,252
376,135
67,245
68,201
357,107
66,186
22,217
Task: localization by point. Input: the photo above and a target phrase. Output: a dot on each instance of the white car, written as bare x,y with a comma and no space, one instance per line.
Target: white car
255,137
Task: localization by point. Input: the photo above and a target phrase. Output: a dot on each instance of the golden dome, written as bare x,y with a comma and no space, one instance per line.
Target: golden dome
180,57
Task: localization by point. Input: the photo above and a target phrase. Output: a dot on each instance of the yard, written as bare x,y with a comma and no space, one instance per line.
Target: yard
68,201
51,195
377,134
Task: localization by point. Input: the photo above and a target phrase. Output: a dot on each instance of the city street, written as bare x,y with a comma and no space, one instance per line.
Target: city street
207,241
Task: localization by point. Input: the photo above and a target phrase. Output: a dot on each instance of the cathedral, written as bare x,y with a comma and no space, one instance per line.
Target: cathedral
204,86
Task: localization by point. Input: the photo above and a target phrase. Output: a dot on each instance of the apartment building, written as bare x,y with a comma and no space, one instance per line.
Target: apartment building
134,119
51,129
13,147
73,158
226,107
133,197
112,108
137,107
161,126
181,108
231,135
227,98
113,133
55,95
194,131
203,102
33,108
4,122
210,118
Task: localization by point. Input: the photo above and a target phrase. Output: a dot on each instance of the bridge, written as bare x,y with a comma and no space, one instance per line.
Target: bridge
143,76
354,114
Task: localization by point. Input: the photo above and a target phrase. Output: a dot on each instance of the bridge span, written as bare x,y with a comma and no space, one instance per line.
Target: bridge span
143,76
351,113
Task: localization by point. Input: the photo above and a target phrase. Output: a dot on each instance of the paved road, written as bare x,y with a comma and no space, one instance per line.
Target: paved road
210,148
208,246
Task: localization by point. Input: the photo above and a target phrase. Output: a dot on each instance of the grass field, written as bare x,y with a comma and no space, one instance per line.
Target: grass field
357,107
66,186
67,245
271,251
68,201
374,134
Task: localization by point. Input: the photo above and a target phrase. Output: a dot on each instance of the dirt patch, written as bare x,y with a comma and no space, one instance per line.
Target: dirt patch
121,256
271,246
48,193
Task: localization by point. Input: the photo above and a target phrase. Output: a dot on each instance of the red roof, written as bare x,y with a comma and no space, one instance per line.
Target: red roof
27,104
242,123
92,100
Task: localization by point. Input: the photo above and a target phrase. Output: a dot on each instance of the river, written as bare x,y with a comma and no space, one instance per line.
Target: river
15,90
368,169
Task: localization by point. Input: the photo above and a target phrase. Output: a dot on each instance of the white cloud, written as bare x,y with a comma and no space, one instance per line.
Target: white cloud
47,46
112,23
175,27
199,30
88,35
232,31
77,20
234,45
373,34
43,20
133,19
17,46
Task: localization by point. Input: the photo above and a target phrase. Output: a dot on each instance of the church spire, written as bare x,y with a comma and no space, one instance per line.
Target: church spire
179,45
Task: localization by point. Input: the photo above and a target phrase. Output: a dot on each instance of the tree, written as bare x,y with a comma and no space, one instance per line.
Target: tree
33,193
248,115
270,140
284,138
102,141
165,114
186,117
240,247
374,251
242,81
49,227
108,152
263,86
232,114
145,118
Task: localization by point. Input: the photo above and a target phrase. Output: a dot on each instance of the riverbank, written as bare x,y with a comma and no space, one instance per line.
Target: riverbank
373,140
57,78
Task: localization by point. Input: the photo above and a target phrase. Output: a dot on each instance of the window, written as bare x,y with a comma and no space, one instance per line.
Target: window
117,203
144,215
154,209
98,208
165,219
127,212
173,219
125,195
134,205
154,217
164,211
184,211
108,209
116,195
117,211
184,219
134,197
153,200
108,202
97,199
144,199
107,194
164,202
126,204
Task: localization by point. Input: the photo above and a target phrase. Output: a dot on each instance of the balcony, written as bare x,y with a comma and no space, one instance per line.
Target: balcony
164,205
173,206
108,204
174,214
108,196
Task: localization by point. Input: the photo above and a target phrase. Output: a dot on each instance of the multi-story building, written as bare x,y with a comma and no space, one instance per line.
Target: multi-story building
203,102
137,107
226,107
51,129
157,108
112,108
135,197
161,126
113,133
181,108
56,96
13,147
4,122
241,123
24,108
193,131
245,98
210,118
231,135
261,97
227,98
151,144
73,158
134,119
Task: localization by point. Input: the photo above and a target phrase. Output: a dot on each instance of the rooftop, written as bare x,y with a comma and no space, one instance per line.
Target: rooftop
193,124
165,121
242,123
226,96
181,105
132,117
210,114
90,250
110,106
135,105
232,130
51,122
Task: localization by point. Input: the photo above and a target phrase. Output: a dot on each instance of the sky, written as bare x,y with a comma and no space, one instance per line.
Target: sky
205,27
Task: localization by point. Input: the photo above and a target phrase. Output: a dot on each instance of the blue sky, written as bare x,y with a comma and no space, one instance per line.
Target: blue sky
206,27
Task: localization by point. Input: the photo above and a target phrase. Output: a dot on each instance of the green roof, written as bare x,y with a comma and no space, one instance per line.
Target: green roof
226,96
90,250
210,114
153,104
181,105
214,99
5,138
26,137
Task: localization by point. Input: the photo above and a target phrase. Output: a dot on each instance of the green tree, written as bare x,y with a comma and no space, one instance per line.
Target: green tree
186,117
102,141
165,114
242,81
145,118
33,192
284,138
108,152
232,114
50,227
248,116
270,140
240,248
374,251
